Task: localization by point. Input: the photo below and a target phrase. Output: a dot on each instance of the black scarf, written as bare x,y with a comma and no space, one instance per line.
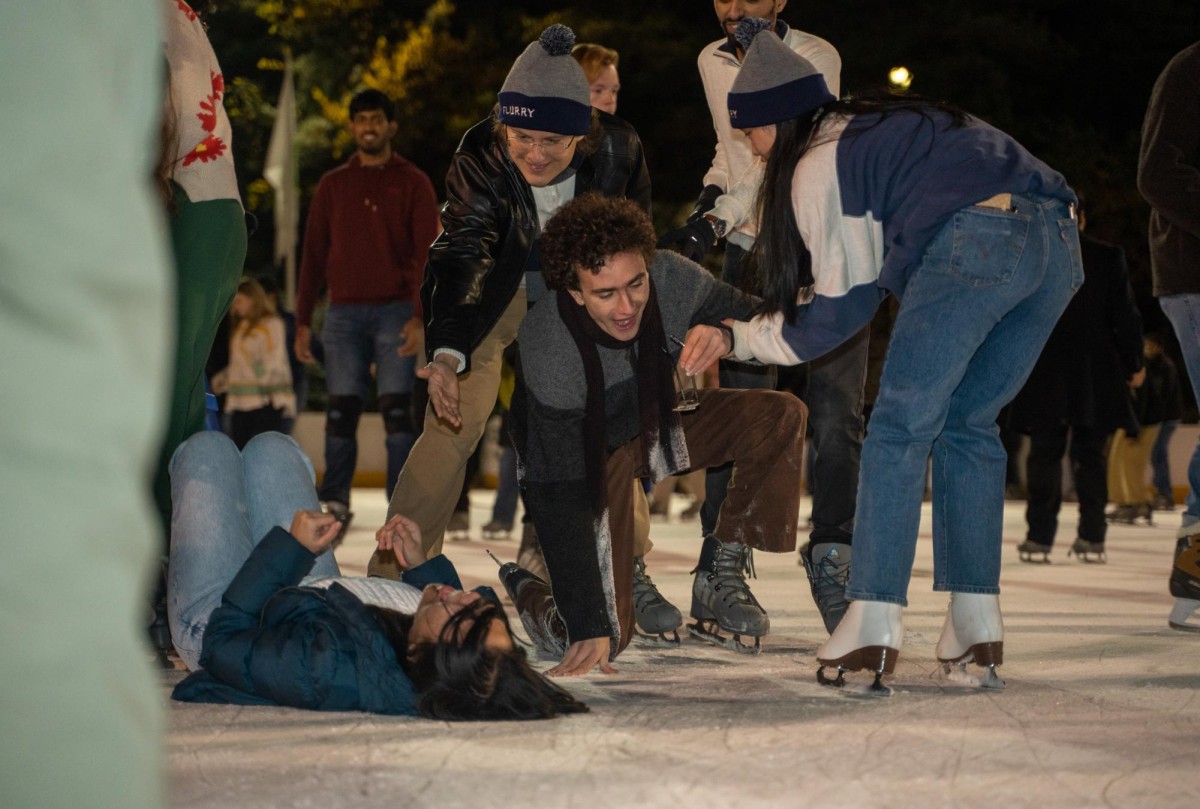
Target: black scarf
663,449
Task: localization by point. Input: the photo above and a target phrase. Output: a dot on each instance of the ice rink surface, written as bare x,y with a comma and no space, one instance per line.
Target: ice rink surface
1102,706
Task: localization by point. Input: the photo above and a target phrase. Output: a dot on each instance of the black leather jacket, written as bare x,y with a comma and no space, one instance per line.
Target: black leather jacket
489,225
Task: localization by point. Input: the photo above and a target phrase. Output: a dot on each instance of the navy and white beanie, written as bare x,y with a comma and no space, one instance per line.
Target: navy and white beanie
774,83
546,89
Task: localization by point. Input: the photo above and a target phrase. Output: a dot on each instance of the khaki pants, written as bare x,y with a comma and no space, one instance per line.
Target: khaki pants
1127,462
432,478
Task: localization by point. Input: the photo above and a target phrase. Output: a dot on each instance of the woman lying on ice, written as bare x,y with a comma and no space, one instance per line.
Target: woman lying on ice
262,616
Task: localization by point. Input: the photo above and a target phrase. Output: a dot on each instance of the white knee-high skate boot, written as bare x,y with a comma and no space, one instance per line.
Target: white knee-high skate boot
868,637
973,633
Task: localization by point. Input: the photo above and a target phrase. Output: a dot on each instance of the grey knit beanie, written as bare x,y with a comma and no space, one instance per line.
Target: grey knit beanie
546,90
774,83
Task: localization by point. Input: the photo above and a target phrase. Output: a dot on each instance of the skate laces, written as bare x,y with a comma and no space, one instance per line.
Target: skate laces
731,564
830,576
644,592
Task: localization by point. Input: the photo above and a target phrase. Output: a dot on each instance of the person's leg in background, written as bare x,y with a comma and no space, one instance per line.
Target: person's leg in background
86,325
1160,466
349,350
1088,466
1043,475
1184,313
395,377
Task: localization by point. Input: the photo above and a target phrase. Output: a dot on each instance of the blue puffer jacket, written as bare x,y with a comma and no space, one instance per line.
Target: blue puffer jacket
272,642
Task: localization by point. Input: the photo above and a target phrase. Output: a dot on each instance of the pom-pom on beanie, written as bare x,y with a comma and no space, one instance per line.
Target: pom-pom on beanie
774,83
546,90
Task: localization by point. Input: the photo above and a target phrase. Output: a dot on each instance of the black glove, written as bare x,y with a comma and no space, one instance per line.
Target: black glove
706,201
693,239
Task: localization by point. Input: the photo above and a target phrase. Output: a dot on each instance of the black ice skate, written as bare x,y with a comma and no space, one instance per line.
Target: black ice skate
1029,550
1185,581
828,567
534,603
722,601
657,620
1088,551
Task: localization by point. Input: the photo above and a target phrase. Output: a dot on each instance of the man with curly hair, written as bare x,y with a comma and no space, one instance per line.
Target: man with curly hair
596,408
543,145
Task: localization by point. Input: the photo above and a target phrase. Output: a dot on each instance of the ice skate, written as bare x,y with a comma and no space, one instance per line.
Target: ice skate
828,567
867,638
459,527
722,601
657,620
497,530
1122,514
1143,514
534,603
1185,580
1029,550
342,514
1184,616
1163,503
1088,551
973,633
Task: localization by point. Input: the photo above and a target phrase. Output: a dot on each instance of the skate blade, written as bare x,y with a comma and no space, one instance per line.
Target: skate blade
1184,627
458,536
1027,556
660,640
734,644
958,674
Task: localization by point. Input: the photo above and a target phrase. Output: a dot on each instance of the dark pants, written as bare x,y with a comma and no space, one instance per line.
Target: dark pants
1043,472
245,424
835,404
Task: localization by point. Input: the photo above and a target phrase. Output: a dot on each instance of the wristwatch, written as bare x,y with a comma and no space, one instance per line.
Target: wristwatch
718,226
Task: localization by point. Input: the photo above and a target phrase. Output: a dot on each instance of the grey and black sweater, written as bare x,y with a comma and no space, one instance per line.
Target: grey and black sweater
548,432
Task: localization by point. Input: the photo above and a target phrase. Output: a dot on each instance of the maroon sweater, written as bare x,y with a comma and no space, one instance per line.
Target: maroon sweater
367,235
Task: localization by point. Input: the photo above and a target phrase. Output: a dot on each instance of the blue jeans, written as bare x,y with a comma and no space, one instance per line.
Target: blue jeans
1184,313
224,502
975,315
355,336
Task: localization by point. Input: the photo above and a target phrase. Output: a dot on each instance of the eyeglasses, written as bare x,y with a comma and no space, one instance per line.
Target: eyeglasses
552,147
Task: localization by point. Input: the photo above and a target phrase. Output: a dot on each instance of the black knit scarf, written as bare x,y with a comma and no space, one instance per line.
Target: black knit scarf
663,449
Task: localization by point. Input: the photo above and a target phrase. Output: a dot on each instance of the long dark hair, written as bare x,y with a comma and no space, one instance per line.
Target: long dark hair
780,264
459,679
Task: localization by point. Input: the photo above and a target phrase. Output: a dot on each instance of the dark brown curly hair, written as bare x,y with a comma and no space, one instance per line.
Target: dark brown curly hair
588,231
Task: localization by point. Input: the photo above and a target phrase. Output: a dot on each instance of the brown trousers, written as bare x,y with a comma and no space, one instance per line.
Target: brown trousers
762,433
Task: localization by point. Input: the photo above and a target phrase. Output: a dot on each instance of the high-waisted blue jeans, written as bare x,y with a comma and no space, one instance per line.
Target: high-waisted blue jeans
974,317
224,502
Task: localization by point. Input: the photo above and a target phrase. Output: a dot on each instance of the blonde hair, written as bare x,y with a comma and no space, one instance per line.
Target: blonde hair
260,304
593,59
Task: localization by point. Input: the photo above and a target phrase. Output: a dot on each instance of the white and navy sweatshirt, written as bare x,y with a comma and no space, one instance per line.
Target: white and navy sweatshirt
868,198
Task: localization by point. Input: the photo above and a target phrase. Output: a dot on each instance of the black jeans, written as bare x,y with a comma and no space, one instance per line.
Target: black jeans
1043,472
835,405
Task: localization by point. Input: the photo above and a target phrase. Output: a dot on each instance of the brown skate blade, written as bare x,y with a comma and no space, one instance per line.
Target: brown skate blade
872,658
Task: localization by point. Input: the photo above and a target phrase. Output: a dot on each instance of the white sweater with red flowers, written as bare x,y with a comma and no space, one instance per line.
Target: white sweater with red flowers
203,162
